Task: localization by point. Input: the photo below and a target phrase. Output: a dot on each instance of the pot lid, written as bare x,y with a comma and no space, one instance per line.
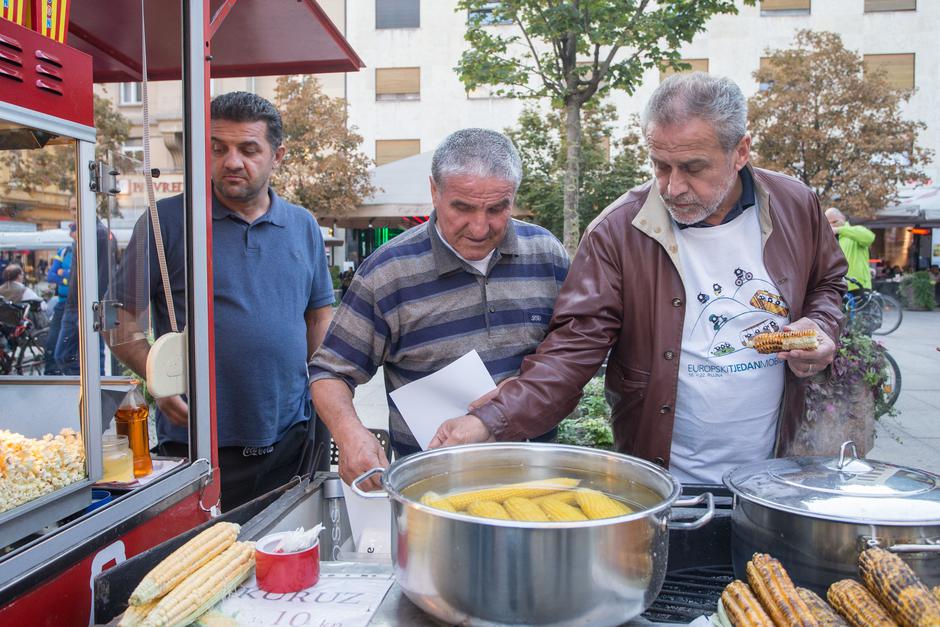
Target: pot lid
846,488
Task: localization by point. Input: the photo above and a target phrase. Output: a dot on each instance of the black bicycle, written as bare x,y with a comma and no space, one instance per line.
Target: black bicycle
871,312
22,338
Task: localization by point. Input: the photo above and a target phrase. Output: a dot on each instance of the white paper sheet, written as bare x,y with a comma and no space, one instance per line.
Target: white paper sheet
344,601
427,402
370,521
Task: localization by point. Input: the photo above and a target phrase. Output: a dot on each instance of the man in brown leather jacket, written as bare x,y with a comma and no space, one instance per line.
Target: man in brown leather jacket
671,281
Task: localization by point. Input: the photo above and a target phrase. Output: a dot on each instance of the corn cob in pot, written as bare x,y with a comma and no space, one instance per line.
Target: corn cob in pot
433,499
184,561
821,610
857,605
488,509
778,341
898,589
771,584
527,489
741,608
525,510
558,511
598,505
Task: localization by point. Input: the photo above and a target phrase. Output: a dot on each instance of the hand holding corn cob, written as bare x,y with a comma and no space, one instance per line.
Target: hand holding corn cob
782,341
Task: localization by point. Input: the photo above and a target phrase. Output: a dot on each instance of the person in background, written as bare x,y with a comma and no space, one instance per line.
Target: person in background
67,346
470,278
670,281
854,242
58,278
13,288
267,323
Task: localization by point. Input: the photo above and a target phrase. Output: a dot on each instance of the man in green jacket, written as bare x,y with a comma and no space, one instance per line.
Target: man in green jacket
854,241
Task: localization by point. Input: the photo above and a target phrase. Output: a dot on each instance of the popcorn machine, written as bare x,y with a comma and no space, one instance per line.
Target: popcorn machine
53,541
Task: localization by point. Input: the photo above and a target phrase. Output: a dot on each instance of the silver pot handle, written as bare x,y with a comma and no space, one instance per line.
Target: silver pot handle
364,476
701,521
933,547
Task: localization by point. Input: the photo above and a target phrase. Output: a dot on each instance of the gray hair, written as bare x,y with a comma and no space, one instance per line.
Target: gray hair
714,99
477,152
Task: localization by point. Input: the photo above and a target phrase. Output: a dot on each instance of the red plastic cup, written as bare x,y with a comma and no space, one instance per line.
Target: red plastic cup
285,572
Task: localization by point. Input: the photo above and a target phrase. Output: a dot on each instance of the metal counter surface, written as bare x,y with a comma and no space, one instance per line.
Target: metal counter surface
396,610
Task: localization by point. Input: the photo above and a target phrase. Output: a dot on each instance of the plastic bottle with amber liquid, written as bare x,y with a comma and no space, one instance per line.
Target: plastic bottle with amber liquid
131,420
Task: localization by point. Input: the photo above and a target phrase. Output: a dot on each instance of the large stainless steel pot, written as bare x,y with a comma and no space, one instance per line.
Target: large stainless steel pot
472,571
816,514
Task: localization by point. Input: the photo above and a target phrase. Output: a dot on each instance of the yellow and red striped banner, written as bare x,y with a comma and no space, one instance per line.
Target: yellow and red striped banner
16,11
51,18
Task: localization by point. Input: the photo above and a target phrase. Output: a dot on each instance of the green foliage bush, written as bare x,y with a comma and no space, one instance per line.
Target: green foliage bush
917,291
589,425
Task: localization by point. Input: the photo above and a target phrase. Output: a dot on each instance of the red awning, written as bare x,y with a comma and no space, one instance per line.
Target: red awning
250,38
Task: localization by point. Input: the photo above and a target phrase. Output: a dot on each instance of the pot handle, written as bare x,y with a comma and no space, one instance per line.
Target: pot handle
906,548
368,495
701,521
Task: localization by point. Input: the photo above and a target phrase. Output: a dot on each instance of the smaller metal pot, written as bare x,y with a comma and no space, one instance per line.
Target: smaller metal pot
817,514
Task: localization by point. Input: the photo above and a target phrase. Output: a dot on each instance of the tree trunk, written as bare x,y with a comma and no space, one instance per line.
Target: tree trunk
572,228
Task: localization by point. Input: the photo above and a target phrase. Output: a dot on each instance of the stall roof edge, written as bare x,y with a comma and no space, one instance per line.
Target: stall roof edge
250,38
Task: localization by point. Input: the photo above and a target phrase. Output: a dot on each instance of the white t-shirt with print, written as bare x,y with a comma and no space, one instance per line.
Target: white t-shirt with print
728,396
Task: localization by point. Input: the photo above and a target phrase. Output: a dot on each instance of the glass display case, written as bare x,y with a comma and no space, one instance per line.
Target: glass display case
49,454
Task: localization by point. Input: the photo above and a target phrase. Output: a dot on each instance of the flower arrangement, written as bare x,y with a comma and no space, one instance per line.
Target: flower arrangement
859,364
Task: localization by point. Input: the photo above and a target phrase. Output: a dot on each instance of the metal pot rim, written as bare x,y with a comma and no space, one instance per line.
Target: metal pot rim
663,505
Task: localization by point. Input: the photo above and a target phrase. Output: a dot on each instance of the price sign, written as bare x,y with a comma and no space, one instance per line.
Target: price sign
337,600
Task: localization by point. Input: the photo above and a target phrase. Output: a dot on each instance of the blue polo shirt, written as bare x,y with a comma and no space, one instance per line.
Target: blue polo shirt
266,275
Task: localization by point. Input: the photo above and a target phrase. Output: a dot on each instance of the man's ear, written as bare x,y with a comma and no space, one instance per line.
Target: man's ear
279,155
742,152
433,191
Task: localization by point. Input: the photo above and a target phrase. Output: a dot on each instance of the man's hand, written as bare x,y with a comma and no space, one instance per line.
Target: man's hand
359,451
486,398
464,430
807,363
174,408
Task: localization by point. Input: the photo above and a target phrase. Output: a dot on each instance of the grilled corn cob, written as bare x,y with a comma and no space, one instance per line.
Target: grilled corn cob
771,584
898,589
804,339
557,511
184,561
598,505
135,614
528,489
523,509
823,612
199,592
488,509
741,608
433,499
857,605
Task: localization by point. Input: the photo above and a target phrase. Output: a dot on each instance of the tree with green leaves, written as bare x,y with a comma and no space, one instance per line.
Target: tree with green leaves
54,167
603,176
323,170
835,125
572,51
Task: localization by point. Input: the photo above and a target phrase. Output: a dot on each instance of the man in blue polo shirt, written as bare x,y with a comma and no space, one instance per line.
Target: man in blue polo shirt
272,303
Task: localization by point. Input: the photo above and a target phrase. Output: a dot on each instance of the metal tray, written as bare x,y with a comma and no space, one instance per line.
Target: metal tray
31,517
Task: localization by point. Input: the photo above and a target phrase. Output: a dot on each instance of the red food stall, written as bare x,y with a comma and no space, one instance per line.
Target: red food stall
52,543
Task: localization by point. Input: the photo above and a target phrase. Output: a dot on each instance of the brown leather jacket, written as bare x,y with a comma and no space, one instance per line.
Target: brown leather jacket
624,294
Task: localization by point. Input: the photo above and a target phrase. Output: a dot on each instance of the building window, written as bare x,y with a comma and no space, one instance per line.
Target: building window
485,15
875,6
131,94
398,83
898,68
765,63
134,148
698,65
397,13
388,150
785,7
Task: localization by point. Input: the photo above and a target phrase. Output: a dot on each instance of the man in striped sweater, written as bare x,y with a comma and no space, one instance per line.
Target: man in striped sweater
469,278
